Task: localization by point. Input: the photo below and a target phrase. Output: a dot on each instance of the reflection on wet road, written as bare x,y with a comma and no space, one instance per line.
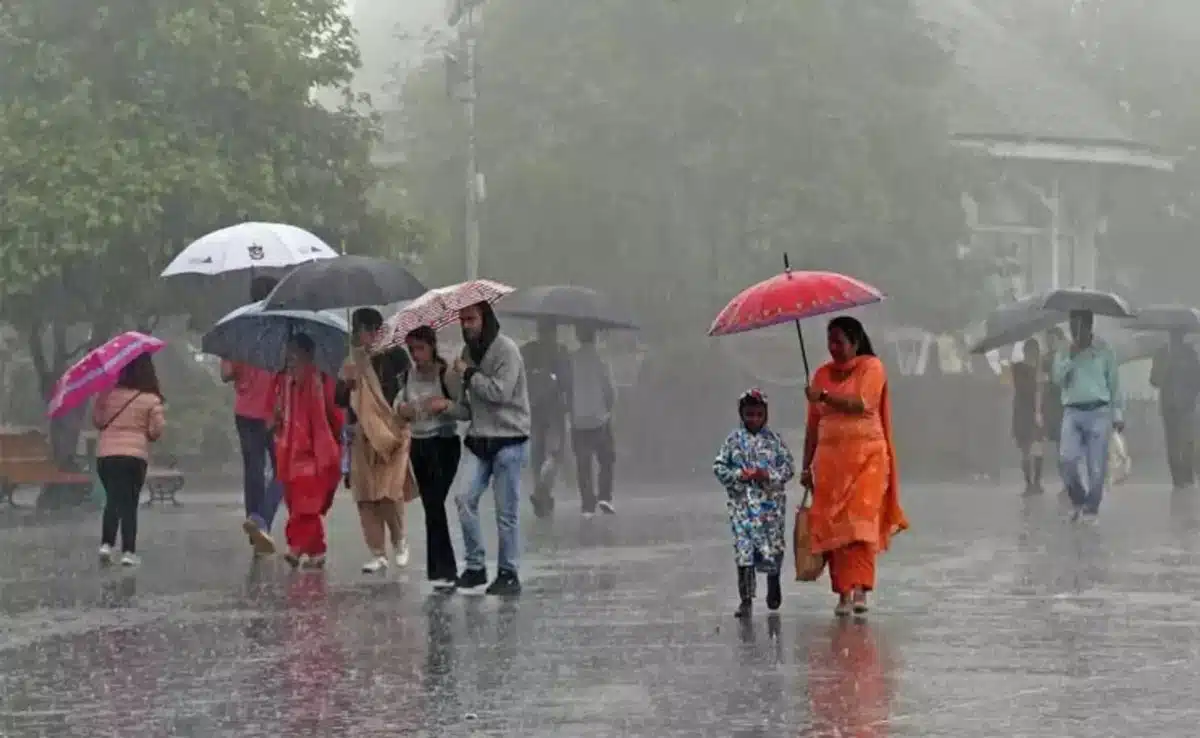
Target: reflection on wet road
996,618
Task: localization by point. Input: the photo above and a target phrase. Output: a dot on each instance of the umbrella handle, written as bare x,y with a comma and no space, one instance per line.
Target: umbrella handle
803,351
787,267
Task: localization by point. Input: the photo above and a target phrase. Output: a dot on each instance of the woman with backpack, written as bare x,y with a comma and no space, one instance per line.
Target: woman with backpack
426,400
129,418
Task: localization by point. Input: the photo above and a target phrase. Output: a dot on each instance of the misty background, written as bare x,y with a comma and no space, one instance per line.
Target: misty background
956,154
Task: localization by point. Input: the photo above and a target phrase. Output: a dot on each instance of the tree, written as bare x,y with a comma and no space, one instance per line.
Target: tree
671,152
129,128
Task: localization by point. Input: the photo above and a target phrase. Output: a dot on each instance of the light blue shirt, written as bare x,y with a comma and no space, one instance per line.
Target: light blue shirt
1088,378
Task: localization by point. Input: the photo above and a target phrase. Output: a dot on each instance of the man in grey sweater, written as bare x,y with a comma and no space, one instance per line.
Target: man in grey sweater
496,395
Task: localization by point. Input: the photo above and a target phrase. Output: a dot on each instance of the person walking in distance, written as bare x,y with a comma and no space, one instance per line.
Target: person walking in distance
593,396
492,375
129,418
546,365
426,401
1092,408
379,474
1176,375
252,410
1027,415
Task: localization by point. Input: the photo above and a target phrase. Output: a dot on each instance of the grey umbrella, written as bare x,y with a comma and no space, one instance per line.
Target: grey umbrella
567,304
1089,301
1166,318
1015,322
345,282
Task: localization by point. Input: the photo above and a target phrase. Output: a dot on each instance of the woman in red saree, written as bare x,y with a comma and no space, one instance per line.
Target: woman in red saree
850,464
308,457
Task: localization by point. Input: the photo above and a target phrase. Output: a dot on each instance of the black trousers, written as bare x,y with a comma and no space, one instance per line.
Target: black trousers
597,444
1179,433
122,477
435,464
546,442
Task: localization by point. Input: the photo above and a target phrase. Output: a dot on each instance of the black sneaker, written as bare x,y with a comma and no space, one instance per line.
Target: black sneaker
444,582
472,579
506,584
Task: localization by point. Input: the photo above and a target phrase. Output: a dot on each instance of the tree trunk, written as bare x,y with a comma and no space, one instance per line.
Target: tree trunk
64,430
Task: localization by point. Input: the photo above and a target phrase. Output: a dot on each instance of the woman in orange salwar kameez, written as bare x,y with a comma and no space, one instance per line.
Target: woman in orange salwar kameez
850,463
308,456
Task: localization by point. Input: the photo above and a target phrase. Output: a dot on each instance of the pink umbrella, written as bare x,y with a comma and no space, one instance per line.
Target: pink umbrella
437,309
99,370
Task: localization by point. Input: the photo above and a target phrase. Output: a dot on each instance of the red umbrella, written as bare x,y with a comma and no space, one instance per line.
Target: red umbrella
791,297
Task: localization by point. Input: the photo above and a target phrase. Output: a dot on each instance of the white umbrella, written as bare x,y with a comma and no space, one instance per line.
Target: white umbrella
249,246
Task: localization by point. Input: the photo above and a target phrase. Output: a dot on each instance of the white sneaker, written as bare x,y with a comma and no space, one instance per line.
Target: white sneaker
402,554
105,554
129,559
606,507
377,564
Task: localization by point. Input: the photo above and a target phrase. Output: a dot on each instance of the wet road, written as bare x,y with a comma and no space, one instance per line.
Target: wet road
995,618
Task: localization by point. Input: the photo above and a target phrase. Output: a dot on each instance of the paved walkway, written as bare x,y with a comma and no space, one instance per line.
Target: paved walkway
995,618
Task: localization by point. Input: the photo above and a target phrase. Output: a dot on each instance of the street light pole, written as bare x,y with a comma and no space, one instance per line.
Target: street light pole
467,33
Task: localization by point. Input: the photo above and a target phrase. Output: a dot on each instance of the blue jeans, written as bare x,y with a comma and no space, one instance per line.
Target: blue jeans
262,492
505,471
1084,443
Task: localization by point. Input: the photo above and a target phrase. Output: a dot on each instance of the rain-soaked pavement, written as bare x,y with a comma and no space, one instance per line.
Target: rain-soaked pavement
995,618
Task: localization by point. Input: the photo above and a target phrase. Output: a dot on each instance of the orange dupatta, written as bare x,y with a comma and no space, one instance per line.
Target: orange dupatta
856,484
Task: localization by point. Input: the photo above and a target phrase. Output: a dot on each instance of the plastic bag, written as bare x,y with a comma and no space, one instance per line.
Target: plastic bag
1119,463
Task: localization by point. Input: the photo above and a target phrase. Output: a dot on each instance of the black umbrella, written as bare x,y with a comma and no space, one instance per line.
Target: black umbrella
1166,318
1015,322
1088,301
345,282
567,304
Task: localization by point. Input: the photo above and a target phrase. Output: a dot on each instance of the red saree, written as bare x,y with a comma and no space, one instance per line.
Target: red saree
307,456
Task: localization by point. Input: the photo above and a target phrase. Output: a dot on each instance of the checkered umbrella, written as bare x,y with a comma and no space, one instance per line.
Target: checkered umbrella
438,308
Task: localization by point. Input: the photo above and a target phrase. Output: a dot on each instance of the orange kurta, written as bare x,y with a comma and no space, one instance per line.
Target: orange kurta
856,496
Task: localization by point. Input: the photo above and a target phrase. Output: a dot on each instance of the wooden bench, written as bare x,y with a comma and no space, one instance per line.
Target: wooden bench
26,459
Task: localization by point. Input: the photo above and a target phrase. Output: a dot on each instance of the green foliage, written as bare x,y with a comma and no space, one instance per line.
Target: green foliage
129,128
670,153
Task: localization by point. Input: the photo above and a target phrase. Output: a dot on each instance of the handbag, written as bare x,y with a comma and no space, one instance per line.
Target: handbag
809,565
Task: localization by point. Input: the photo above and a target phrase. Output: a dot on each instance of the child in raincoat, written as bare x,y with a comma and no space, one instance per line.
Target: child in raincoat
753,465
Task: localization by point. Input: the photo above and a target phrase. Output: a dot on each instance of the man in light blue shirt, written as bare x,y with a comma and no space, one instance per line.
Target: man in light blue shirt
1092,408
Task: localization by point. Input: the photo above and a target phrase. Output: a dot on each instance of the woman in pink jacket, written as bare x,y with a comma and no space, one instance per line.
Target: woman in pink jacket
129,417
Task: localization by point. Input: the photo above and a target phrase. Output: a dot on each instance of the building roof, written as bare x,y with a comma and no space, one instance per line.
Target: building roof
1007,87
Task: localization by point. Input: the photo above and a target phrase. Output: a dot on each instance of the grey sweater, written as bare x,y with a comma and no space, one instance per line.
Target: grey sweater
496,393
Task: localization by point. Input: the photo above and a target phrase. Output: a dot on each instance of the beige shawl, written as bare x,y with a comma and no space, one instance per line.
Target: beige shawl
379,463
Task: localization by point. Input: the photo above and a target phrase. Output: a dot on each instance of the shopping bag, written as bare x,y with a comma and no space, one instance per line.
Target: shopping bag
1119,463
808,565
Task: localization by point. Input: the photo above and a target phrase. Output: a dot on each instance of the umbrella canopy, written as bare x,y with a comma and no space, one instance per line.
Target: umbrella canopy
1016,322
568,304
790,297
1090,301
344,282
258,337
1182,318
1128,347
437,309
99,370
249,246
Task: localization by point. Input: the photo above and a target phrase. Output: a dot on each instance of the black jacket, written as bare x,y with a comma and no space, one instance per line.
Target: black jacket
388,367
